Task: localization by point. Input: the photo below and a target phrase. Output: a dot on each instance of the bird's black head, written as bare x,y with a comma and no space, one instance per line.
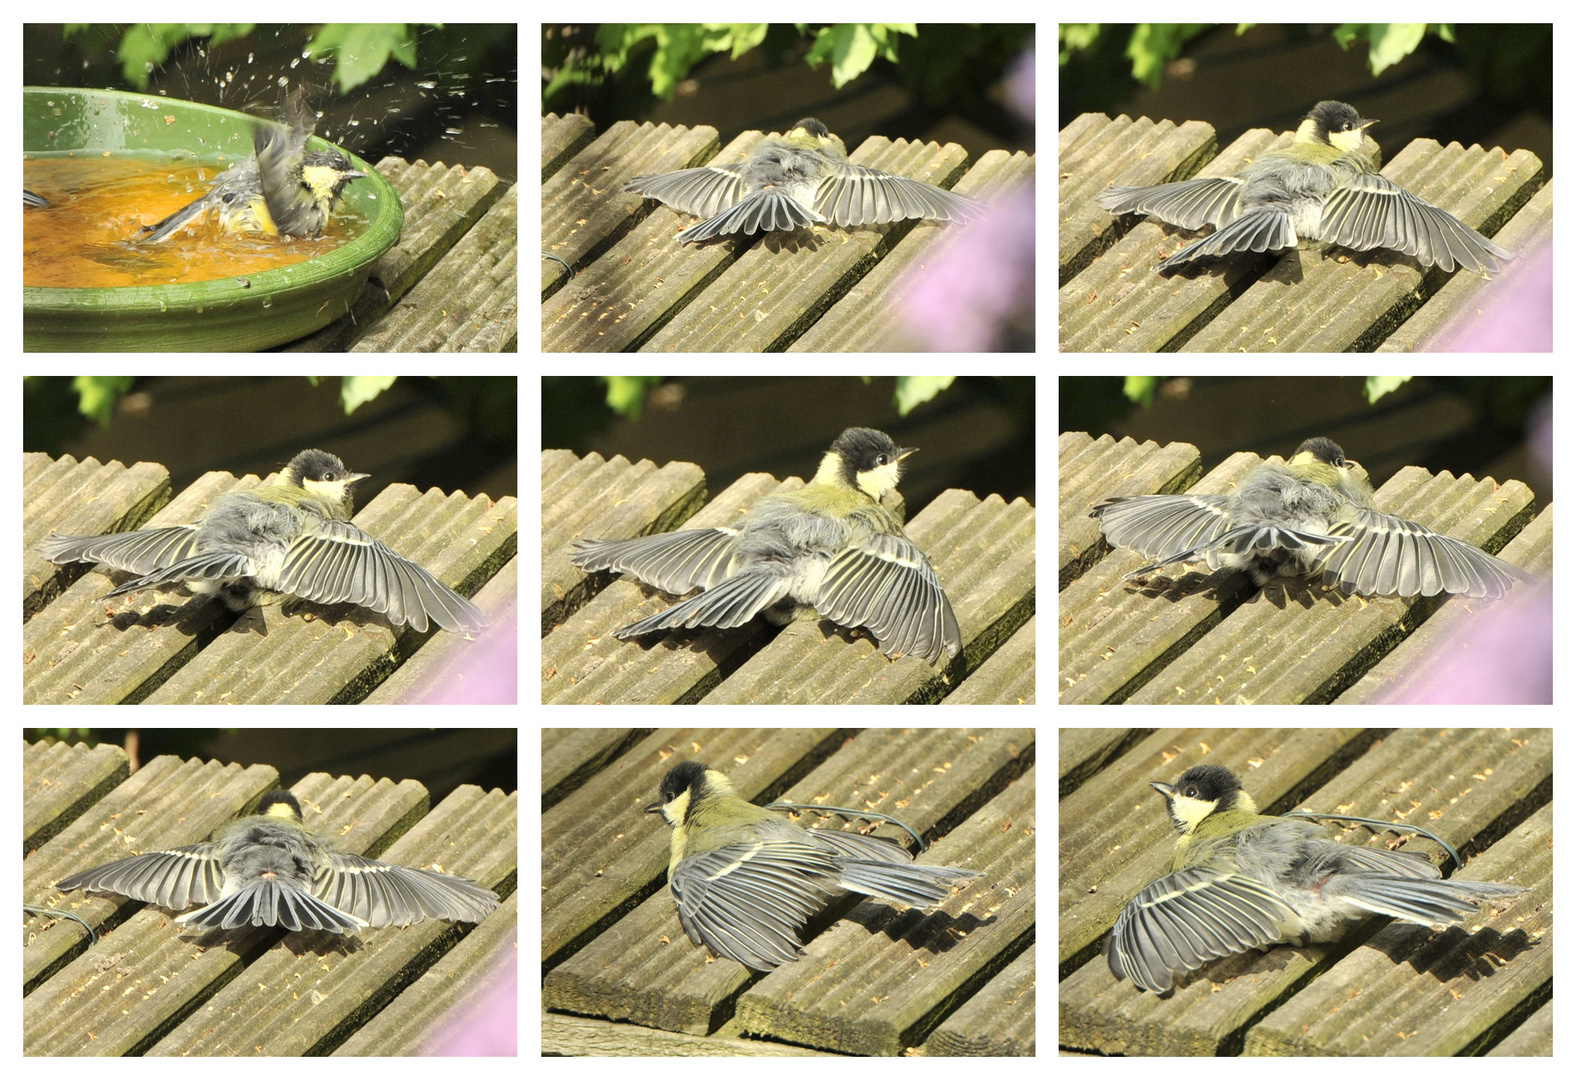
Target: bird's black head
1335,117
324,174
1322,449
868,460
685,787
280,804
1336,124
326,477
316,465
1210,783
683,777
1200,792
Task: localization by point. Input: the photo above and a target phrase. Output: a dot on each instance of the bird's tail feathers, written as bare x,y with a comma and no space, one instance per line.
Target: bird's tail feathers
912,884
733,602
1249,540
271,902
1428,903
162,229
213,566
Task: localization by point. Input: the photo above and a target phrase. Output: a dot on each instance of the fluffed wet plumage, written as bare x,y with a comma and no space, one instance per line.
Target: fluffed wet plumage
291,538
799,180
1313,516
269,870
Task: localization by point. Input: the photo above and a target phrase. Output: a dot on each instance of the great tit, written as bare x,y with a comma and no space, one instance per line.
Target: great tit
801,179
269,870
829,548
283,190
1240,880
1315,514
1322,187
292,537
746,881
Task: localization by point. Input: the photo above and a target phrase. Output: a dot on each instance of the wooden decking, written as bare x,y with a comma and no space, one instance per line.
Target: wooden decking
1112,299
880,980
1208,638
982,549
167,646
452,283
1386,988
824,290
145,987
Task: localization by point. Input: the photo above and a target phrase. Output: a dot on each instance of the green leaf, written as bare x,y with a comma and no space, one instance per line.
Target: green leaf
1141,389
362,50
915,390
97,395
1377,386
357,390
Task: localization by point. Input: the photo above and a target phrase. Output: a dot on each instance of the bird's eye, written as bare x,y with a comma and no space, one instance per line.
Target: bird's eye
1191,792
881,459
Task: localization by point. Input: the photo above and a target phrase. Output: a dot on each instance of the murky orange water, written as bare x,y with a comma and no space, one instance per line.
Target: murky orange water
87,236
